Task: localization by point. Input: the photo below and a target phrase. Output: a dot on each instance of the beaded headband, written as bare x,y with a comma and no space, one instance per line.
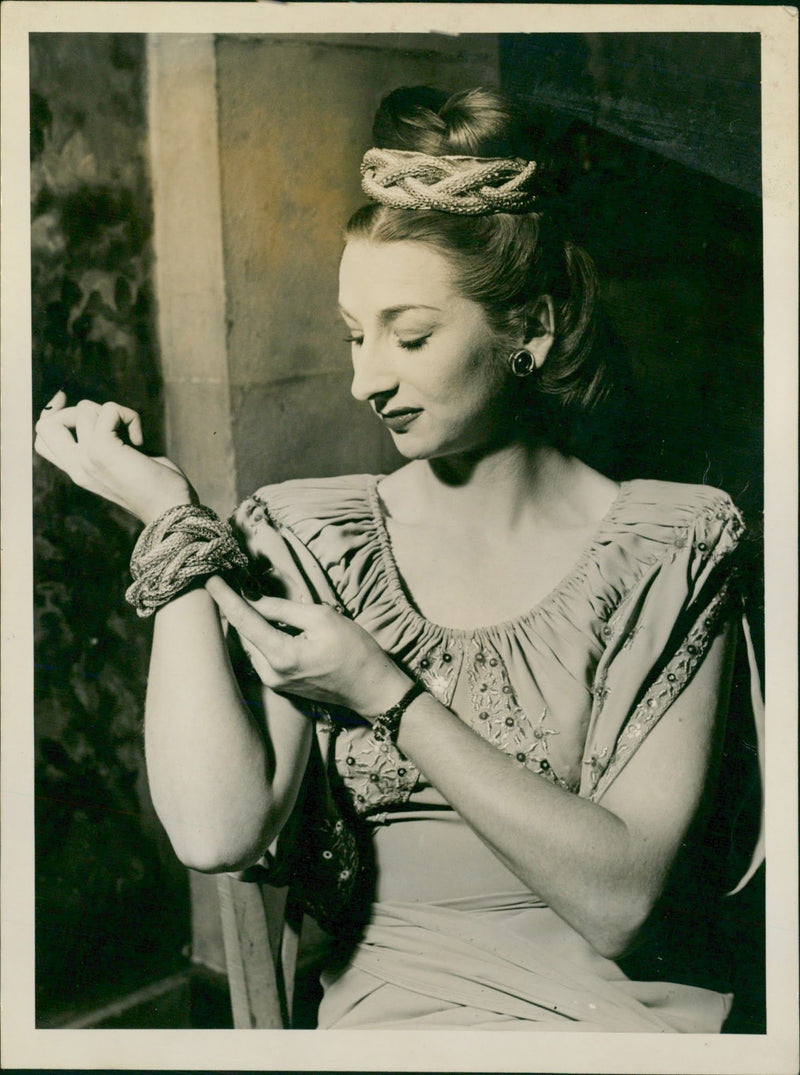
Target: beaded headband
469,186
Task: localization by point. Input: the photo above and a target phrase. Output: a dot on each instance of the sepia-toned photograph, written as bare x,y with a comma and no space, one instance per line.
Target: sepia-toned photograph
395,497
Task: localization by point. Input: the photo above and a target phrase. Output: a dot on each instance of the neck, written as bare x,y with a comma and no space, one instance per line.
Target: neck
502,484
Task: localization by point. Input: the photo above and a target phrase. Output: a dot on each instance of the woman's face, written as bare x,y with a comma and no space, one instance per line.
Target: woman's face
424,356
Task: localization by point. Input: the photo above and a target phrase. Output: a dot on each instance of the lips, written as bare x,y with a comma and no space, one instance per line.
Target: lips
399,420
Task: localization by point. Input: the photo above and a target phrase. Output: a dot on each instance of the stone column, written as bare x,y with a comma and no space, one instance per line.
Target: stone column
189,263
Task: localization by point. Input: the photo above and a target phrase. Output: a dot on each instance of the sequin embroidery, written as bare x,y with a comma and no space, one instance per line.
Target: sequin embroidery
498,718
374,773
663,691
439,668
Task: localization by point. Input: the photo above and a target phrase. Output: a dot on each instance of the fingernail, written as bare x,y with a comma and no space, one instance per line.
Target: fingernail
49,406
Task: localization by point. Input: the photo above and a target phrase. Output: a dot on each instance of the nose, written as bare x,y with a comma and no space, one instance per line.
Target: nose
373,377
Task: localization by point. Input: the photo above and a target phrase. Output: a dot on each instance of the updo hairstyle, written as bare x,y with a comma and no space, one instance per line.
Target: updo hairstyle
504,261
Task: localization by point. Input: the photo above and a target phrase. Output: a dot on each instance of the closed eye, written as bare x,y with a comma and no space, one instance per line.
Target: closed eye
357,340
415,344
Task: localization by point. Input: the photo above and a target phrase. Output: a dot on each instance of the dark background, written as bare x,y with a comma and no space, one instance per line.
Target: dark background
658,142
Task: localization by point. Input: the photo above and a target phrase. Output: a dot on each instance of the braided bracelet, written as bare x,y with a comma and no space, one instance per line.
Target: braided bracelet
184,545
386,726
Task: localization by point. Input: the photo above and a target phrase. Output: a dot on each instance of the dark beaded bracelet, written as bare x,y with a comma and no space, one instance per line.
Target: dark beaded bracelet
386,726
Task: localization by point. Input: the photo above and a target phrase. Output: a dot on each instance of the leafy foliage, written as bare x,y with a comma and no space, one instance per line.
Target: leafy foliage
107,887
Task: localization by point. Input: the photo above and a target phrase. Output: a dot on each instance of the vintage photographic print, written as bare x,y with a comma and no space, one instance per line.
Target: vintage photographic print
399,497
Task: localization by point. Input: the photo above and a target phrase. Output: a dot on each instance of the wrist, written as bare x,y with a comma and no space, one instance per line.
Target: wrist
179,549
153,510
386,726
385,692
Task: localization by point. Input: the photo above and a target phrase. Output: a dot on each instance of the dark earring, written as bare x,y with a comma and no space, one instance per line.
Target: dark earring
521,363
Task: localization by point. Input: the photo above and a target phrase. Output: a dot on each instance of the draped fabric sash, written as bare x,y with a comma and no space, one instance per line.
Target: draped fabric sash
423,965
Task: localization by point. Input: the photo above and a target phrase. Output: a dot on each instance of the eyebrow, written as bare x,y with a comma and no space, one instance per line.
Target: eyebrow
388,315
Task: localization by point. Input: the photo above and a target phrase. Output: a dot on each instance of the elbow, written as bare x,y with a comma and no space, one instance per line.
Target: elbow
220,852
206,860
209,859
619,931
222,836
623,909
615,941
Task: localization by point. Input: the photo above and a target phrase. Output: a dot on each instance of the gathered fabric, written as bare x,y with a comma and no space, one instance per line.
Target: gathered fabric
487,967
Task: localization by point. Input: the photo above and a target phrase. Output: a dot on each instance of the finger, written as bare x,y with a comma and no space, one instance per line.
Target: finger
266,672
86,413
112,415
275,609
293,613
64,416
53,432
241,615
41,449
58,401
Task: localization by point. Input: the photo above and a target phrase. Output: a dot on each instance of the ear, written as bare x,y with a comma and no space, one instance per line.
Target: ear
540,330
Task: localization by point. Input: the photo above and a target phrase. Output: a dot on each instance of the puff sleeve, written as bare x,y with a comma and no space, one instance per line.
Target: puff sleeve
658,636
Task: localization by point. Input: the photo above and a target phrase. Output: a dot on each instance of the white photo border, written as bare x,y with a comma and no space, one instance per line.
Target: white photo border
24,1046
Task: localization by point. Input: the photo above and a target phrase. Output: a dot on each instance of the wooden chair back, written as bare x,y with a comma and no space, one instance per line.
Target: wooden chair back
260,952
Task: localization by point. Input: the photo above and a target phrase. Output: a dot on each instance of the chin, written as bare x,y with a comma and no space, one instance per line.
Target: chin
413,450
452,440
417,448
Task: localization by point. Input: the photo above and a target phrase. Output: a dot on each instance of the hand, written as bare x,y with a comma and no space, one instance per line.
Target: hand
331,660
96,445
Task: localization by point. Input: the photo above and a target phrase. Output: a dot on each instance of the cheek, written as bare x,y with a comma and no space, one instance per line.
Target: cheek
487,373
472,375
478,393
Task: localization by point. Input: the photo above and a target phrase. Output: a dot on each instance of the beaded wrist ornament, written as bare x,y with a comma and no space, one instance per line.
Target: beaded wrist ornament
467,186
185,544
386,726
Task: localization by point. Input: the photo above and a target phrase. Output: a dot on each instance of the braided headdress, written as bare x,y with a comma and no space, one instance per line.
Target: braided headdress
469,186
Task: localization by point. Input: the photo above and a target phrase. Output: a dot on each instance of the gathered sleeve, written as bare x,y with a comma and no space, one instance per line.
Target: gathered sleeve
658,635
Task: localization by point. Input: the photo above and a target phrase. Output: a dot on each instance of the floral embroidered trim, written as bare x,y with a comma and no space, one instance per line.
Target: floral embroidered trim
596,764
721,511
317,853
679,541
439,667
498,718
660,695
324,872
375,774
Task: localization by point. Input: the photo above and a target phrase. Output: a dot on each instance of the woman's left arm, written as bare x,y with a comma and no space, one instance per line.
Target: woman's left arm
601,866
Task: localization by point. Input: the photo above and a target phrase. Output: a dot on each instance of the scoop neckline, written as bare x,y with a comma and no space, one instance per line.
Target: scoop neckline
401,593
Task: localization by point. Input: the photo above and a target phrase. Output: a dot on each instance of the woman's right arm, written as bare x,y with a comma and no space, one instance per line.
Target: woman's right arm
222,785
222,782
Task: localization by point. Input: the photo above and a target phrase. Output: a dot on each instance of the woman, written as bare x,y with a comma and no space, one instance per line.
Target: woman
556,766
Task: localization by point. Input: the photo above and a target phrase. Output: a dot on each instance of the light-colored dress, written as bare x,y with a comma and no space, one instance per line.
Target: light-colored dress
441,933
